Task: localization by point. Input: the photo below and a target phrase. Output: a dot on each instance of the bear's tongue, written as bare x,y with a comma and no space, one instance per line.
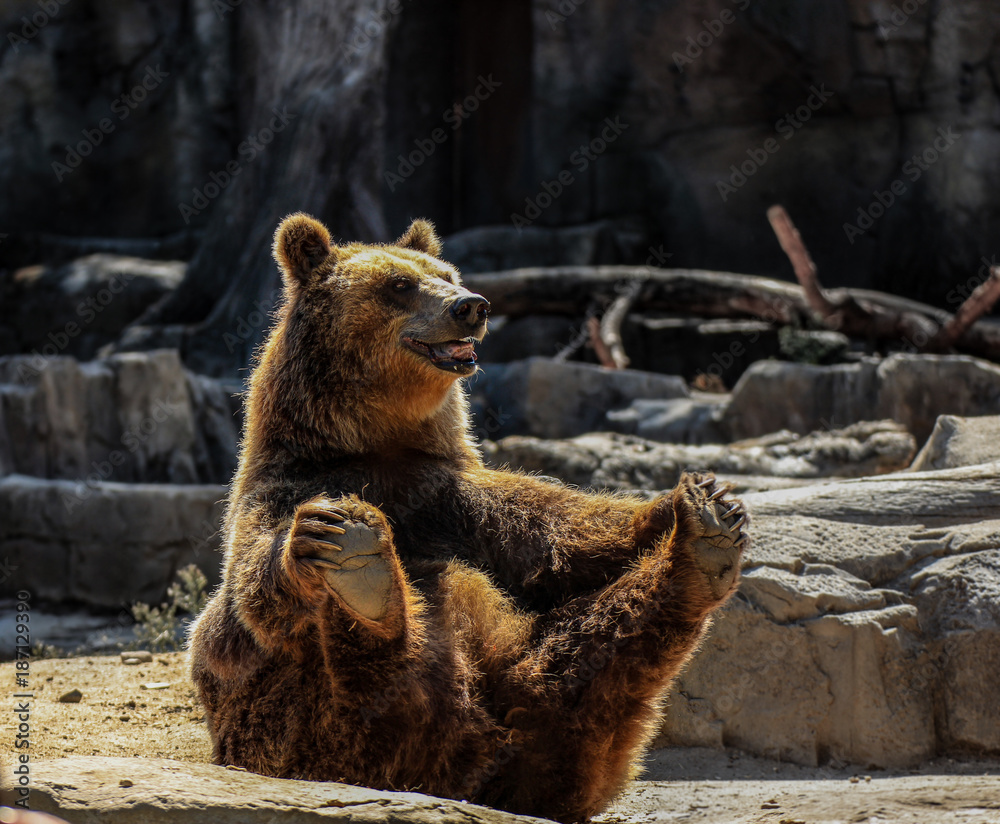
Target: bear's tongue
453,350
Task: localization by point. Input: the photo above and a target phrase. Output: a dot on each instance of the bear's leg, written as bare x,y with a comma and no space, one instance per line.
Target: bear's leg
344,671
584,701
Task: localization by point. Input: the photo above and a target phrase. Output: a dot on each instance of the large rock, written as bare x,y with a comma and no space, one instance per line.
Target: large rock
960,442
96,790
959,602
102,544
865,629
553,399
910,389
612,461
130,417
78,308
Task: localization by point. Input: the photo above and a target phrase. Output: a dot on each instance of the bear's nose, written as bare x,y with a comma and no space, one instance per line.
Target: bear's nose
470,310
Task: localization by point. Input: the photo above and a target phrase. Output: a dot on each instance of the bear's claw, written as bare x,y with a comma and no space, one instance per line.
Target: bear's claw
720,523
349,554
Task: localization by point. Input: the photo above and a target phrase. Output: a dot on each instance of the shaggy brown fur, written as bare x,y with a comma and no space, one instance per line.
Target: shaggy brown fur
396,615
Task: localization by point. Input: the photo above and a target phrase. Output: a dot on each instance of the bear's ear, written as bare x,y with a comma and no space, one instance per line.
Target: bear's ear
300,245
422,237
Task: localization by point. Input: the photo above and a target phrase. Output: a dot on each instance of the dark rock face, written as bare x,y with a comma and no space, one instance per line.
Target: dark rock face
111,115
877,129
77,308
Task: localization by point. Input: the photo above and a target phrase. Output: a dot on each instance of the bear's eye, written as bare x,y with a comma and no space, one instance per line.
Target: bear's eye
401,285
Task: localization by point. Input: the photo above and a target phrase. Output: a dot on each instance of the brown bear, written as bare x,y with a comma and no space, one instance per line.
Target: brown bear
396,615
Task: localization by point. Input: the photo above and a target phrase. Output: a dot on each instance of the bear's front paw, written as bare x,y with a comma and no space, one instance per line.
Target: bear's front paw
351,551
719,525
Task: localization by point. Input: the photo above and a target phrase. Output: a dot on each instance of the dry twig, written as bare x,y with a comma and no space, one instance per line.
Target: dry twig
982,299
802,263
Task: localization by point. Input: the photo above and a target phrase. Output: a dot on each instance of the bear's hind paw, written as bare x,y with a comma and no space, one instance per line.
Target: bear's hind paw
720,531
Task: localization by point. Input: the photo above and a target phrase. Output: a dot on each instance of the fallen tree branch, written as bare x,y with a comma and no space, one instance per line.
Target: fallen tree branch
600,348
974,307
610,331
802,263
860,313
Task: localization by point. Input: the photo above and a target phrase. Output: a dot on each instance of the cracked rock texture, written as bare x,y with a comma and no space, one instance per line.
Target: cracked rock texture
112,475
866,627
612,461
128,417
818,397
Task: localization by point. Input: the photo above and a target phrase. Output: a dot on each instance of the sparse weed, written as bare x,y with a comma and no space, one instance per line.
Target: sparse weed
158,629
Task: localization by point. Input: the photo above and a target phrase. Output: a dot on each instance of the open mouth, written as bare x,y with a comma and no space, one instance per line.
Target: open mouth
451,355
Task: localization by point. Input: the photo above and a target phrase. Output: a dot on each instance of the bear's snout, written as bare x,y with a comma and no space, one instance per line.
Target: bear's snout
470,310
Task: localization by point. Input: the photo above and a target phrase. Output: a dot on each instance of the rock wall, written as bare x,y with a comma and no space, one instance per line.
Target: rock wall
664,129
112,476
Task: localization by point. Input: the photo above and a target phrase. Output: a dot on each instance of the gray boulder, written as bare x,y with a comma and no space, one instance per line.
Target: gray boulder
613,461
960,442
693,420
910,389
105,545
97,790
554,399
77,308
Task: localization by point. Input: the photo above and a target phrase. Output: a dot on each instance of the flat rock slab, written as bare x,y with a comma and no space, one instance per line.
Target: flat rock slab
158,791
691,785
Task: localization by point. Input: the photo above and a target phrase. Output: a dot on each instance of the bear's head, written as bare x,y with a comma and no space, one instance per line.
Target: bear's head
371,339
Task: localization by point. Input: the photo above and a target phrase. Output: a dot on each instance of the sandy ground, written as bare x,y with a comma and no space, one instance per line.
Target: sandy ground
117,716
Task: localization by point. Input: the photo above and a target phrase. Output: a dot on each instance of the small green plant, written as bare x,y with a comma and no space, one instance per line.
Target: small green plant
158,628
42,650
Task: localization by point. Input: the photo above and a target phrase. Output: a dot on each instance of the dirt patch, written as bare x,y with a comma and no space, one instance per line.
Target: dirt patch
115,716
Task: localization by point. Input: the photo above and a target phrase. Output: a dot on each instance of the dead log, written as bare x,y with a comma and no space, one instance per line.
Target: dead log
610,329
915,328
860,313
